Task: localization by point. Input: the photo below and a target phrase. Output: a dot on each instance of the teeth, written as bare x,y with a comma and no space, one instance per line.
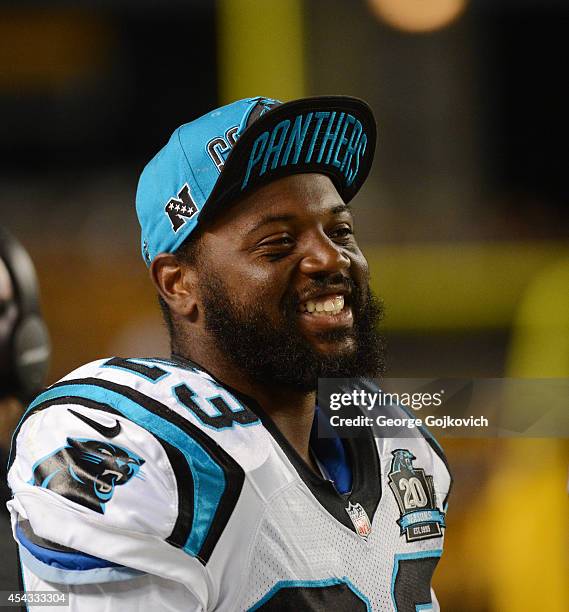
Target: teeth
329,306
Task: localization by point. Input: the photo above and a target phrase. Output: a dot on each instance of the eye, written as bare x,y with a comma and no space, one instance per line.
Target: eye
342,234
276,246
283,240
104,451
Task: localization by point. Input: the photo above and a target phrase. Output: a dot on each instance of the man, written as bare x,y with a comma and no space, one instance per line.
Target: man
24,354
199,482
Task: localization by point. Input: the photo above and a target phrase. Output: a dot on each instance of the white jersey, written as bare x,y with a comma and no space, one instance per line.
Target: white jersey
149,483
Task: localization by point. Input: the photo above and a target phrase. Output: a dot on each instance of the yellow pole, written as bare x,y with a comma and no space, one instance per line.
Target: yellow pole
528,541
261,49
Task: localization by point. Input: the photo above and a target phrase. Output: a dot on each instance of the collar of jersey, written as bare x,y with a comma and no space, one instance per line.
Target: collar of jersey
361,454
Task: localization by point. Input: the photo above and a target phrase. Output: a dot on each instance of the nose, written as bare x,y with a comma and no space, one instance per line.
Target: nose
323,257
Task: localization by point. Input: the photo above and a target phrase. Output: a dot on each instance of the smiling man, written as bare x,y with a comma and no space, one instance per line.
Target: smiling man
199,482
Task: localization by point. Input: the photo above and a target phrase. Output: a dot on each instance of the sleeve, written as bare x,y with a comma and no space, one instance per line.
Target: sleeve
145,592
101,503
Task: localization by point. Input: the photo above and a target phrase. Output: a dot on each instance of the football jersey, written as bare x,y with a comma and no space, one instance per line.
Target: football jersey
149,482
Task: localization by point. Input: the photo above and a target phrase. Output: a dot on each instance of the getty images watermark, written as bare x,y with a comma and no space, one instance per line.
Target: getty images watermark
401,407
370,400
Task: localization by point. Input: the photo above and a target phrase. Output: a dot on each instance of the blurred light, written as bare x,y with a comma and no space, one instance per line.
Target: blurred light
49,49
418,15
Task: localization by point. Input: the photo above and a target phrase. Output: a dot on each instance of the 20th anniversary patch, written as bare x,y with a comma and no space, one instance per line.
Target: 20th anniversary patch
415,495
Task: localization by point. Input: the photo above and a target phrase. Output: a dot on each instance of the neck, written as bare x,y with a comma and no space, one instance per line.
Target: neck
292,411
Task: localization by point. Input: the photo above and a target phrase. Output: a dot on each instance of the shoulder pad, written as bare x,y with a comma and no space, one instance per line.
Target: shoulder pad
182,390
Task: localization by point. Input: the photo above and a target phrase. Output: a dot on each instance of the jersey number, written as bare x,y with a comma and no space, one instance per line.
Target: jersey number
224,415
411,590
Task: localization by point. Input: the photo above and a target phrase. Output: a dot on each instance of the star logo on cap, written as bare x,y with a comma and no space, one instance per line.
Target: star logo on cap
181,208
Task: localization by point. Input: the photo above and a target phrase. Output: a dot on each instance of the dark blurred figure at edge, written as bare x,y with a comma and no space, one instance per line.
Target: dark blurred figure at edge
24,356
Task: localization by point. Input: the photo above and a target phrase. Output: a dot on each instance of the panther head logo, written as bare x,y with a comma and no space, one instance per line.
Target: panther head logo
87,471
403,459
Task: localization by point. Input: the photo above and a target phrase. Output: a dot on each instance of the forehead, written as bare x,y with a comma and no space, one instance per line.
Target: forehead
300,197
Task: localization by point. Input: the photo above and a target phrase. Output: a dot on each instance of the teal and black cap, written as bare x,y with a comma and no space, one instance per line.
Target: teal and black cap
234,149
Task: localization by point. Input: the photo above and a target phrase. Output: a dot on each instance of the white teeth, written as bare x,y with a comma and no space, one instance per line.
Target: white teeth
329,306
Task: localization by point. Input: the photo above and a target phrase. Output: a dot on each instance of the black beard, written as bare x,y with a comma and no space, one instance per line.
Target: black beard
280,355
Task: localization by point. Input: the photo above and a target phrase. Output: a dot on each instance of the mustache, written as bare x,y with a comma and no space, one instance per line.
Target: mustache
333,281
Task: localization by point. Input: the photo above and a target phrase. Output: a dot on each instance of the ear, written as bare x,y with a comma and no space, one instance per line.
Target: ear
176,283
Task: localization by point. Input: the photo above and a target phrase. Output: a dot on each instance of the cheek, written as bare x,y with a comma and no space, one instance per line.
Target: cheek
245,279
360,268
257,283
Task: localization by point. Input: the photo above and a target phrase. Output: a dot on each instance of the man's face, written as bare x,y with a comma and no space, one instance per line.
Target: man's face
284,286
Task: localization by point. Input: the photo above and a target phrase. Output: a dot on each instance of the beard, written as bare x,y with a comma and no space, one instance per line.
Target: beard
278,354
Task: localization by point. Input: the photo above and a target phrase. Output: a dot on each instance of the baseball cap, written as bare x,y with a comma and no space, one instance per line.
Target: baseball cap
232,150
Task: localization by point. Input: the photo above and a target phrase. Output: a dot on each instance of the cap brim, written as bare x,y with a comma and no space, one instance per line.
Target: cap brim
311,135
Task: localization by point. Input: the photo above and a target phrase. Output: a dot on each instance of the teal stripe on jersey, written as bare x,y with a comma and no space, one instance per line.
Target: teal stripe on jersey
209,479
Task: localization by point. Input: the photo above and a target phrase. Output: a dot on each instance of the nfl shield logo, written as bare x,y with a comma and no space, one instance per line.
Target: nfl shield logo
360,520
